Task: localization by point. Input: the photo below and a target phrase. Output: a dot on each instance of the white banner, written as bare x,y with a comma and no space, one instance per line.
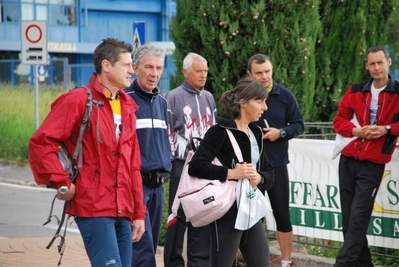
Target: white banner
314,195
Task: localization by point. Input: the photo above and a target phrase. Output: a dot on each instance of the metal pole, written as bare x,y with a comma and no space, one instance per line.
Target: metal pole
37,95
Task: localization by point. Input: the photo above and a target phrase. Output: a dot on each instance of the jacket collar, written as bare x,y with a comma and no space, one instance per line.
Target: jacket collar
93,82
390,86
189,88
227,121
142,93
276,89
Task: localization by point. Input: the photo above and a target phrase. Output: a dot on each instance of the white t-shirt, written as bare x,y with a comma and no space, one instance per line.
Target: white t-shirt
254,148
375,92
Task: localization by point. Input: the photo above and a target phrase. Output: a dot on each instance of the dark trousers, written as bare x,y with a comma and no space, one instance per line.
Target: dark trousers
226,240
279,196
359,182
145,249
198,238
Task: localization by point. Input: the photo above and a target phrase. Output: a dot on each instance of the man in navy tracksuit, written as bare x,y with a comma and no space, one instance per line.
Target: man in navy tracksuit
154,144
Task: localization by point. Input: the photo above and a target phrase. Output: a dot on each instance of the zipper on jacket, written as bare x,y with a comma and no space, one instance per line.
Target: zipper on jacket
199,113
360,148
153,128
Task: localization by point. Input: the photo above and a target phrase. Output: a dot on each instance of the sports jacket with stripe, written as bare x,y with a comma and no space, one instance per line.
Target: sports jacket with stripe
151,129
357,100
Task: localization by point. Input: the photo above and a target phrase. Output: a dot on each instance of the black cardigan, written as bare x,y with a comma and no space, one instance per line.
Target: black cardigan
216,143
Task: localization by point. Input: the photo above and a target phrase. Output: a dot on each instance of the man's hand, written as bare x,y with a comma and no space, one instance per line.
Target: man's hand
271,134
370,132
68,195
138,230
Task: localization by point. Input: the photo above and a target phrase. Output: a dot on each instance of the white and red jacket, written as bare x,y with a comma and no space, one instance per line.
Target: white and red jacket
357,100
109,183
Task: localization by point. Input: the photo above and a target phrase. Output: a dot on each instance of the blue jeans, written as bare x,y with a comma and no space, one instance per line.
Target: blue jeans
108,240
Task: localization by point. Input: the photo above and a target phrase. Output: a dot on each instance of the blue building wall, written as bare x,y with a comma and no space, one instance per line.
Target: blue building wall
95,20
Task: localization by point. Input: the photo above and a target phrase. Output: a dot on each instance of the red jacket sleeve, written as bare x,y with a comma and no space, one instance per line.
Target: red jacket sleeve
56,127
342,123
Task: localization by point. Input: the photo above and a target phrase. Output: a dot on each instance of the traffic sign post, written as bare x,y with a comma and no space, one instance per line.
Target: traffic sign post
139,34
34,51
34,42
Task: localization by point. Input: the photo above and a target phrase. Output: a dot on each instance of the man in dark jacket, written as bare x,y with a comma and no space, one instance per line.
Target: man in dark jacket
192,110
376,106
281,122
154,146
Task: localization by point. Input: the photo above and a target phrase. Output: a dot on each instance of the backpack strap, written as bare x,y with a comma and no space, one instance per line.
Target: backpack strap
78,148
86,117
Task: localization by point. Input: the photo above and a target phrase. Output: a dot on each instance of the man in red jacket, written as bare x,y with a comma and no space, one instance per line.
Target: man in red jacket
106,198
376,106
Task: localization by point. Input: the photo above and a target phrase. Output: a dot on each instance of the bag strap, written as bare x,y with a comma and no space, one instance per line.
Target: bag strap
193,146
235,145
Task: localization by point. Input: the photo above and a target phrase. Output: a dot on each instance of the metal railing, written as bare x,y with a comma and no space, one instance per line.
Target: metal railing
318,130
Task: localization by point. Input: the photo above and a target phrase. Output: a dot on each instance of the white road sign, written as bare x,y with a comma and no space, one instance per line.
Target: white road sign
34,42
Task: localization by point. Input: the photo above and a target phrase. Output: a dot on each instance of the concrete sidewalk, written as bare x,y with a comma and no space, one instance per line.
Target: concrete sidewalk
32,252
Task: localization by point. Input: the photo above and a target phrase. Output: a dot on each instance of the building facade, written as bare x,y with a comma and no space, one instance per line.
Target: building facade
75,28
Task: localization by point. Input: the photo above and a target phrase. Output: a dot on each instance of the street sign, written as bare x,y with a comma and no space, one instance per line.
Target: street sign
41,70
34,42
139,34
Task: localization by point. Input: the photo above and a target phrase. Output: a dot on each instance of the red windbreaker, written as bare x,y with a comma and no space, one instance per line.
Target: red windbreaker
357,100
109,182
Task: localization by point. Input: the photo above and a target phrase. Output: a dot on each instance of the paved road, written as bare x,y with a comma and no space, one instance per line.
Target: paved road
23,239
24,208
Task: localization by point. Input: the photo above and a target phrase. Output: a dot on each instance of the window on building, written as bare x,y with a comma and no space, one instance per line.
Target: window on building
9,12
27,11
63,12
41,12
57,12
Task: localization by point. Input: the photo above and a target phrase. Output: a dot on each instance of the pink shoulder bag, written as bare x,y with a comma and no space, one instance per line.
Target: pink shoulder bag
204,201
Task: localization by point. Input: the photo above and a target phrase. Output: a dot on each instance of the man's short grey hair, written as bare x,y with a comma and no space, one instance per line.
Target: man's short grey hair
149,48
190,58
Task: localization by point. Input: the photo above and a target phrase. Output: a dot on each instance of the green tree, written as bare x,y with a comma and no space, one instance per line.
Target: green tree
293,27
393,32
349,29
317,47
228,33
185,36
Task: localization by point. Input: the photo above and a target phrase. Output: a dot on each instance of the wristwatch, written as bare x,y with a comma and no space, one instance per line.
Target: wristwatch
63,190
282,133
388,128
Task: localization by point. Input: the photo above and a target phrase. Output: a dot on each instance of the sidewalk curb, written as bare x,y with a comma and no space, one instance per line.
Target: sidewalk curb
18,182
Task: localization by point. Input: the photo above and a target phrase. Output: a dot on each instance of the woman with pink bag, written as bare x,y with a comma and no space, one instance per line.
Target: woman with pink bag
242,106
